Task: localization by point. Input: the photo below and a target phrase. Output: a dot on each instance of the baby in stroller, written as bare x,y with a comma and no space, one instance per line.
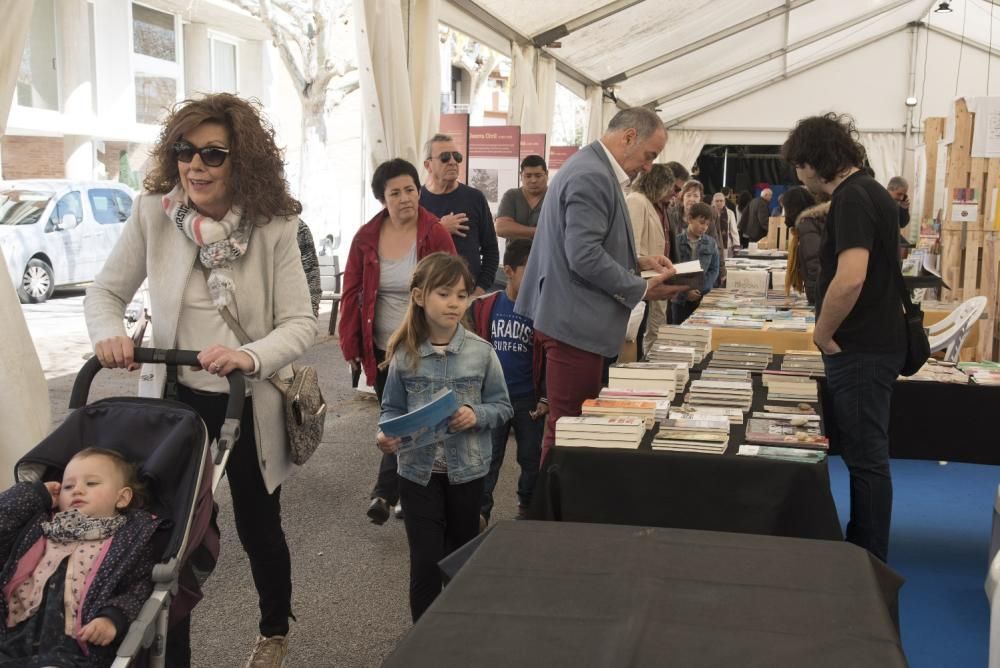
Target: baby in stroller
77,562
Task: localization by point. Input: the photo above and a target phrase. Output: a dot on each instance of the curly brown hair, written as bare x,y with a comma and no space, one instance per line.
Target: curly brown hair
257,179
829,144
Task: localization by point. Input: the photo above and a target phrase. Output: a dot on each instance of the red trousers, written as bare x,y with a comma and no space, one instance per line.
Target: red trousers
571,376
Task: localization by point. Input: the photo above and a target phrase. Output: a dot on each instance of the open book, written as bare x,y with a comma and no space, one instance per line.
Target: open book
425,425
689,274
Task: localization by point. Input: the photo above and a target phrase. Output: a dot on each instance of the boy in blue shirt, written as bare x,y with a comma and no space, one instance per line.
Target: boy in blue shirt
513,338
693,244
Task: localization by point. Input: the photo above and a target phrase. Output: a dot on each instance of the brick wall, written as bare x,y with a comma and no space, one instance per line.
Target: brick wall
32,158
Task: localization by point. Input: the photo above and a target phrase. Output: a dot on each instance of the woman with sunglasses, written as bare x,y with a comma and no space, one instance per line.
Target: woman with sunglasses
376,291
216,228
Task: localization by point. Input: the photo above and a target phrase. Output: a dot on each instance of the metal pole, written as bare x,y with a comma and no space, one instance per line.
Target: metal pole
725,167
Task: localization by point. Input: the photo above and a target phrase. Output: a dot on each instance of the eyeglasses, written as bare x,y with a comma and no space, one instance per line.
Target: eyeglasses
212,156
448,156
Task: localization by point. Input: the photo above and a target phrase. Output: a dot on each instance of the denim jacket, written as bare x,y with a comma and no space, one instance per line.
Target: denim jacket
471,369
708,256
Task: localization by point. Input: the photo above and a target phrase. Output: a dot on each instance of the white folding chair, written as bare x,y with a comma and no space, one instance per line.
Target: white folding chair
950,333
995,535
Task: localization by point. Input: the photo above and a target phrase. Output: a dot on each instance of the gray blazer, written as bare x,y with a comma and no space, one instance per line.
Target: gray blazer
581,281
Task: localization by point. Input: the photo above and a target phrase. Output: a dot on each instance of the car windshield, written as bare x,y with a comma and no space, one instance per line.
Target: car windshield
22,207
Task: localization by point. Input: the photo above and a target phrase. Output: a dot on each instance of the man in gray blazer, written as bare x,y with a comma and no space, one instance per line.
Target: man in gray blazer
582,282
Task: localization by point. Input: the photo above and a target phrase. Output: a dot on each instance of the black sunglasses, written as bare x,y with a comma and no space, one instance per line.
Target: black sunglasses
212,156
448,156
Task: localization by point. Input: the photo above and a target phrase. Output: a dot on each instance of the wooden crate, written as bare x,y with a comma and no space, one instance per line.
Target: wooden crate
970,251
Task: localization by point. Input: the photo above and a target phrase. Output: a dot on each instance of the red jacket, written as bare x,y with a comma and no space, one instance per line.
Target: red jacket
361,278
482,316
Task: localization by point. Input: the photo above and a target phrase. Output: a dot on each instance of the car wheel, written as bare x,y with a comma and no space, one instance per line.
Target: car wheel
37,282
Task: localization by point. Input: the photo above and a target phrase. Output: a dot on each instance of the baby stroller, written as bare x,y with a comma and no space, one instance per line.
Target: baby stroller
170,442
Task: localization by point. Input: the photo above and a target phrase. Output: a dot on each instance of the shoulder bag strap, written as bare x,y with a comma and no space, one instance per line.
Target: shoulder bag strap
237,329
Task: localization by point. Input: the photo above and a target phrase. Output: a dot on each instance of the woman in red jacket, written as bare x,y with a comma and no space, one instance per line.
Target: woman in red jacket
376,289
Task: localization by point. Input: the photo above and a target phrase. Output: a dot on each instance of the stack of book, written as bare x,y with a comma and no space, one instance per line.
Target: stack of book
733,415
805,455
699,338
729,394
685,435
741,356
785,386
661,397
937,371
677,354
725,374
621,407
645,376
803,361
786,430
600,432
981,373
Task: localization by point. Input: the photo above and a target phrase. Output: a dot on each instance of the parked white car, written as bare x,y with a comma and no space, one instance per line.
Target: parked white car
55,233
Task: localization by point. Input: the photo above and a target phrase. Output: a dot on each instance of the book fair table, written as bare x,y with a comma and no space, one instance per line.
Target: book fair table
567,594
688,490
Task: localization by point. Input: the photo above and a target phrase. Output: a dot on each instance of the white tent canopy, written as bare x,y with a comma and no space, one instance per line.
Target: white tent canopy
744,71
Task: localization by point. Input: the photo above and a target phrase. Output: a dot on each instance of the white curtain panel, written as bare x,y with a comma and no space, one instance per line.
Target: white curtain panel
683,146
885,154
545,85
425,69
24,394
524,109
595,113
13,34
385,84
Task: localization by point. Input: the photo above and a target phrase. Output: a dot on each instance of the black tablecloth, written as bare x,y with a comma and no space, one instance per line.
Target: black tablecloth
545,594
688,490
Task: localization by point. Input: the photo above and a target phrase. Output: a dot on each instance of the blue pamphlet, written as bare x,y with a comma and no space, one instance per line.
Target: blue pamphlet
424,426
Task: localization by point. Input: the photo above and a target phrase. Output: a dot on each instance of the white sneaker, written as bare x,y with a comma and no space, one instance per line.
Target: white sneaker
268,652
397,510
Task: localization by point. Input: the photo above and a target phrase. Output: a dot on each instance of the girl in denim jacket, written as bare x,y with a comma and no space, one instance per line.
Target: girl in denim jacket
441,486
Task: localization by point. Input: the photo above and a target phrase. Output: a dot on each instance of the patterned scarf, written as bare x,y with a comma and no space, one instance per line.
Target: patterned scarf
72,525
220,242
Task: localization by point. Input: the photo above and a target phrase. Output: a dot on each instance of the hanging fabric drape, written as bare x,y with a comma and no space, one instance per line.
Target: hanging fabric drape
24,395
885,154
13,34
545,85
401,110
595,113
425,70
683,146
524,109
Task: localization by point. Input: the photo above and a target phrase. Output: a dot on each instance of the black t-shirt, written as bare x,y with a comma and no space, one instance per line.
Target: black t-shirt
479,245
863,215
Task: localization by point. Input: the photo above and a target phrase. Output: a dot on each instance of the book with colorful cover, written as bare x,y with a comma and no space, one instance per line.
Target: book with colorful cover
423,426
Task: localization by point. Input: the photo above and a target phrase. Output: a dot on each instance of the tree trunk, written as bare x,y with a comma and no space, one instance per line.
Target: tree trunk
317,191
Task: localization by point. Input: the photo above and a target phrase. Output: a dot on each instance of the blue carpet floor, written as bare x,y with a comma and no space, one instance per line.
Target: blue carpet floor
941,521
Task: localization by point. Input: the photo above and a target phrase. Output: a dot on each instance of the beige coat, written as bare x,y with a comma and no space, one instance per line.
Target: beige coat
646,225
272,298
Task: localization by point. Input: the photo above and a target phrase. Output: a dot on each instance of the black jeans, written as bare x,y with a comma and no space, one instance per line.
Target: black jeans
681,311
440,518
860,389
257,513
528,434
387,481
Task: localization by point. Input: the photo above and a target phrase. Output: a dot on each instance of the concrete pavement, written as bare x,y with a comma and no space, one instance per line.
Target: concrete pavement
350,577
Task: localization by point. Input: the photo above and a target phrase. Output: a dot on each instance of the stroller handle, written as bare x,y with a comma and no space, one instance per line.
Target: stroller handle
237,385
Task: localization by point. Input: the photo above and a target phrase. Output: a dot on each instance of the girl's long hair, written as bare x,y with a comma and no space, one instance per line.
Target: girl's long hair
435,271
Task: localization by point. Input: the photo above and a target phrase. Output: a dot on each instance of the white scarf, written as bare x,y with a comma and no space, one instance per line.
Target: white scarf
220,242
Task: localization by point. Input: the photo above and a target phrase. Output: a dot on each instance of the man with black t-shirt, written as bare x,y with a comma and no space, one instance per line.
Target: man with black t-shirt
462,210
860,326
